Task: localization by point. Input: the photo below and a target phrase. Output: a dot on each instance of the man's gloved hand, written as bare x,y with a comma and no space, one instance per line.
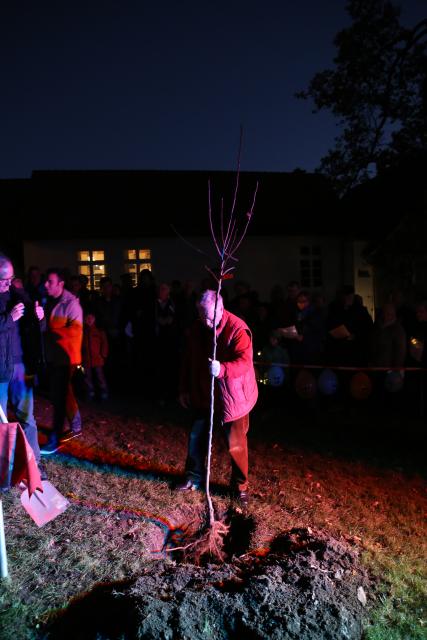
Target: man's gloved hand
214,367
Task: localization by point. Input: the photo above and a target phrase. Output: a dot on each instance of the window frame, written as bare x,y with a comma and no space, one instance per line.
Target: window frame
93,277
311,266
138,263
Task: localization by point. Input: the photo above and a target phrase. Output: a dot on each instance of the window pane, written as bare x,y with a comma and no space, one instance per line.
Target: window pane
131,267
84,270
131,253
97,256
96,280
305,251
145,265
316,250
145,254
305,264
317,264
83,256
99,269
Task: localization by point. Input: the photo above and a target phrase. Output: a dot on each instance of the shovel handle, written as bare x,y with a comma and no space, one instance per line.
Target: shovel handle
3,554
3,417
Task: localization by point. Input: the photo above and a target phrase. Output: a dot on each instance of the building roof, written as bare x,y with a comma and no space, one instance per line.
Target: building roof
383,203
153,203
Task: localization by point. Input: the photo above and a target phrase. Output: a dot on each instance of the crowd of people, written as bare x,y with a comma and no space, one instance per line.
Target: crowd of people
134,337
122,338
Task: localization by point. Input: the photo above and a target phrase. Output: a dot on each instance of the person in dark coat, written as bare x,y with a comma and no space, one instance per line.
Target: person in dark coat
20,351
349,327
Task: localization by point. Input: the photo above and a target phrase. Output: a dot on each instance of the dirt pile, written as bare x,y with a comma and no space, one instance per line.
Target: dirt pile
309,586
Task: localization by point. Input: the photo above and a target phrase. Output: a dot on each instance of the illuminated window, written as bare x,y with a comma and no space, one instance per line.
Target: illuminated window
311,267
91,263
135,261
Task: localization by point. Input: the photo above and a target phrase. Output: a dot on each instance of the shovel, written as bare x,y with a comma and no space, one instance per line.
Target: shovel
44,507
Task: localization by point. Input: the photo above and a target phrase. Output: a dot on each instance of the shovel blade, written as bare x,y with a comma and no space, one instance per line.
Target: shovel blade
46,506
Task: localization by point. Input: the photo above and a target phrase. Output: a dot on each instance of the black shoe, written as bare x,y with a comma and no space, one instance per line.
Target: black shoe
242,498
50,447
189,485
69,435
42,471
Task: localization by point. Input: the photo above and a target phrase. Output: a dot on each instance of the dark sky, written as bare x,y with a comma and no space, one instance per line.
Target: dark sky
165,85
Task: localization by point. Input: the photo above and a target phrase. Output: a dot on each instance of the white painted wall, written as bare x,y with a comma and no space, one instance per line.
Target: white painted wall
263,261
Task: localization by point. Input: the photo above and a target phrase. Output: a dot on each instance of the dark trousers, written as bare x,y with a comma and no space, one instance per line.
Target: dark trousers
93,376
235,434
63,398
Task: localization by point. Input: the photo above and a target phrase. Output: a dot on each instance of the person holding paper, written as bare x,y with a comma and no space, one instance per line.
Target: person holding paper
349,328
307,345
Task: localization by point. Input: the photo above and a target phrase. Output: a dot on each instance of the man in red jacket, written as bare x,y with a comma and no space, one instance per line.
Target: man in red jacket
236,390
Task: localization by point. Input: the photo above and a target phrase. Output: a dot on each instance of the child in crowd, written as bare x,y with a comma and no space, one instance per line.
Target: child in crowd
273,351
94,354
274,372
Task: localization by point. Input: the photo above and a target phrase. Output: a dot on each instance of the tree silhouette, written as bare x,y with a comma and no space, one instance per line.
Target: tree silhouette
377,91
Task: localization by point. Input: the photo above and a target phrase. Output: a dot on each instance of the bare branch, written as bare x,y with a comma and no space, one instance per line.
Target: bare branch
211,222
249,218
251,210
188,242
213,274
228,238
222,220
237,172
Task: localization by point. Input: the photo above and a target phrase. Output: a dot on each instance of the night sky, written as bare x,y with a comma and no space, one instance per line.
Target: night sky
165,85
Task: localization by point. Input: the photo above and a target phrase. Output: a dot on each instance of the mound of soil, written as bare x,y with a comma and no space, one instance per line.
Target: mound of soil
308,586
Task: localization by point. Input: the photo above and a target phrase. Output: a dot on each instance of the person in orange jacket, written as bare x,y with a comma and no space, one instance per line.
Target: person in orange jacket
63,349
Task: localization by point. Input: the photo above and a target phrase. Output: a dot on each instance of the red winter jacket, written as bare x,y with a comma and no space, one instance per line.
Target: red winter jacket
95,346
235,387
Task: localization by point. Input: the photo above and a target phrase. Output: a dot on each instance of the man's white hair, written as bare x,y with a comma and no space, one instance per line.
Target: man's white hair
207,298
4,260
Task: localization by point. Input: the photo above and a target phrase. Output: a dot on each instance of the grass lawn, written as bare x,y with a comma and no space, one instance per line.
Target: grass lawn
351,473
